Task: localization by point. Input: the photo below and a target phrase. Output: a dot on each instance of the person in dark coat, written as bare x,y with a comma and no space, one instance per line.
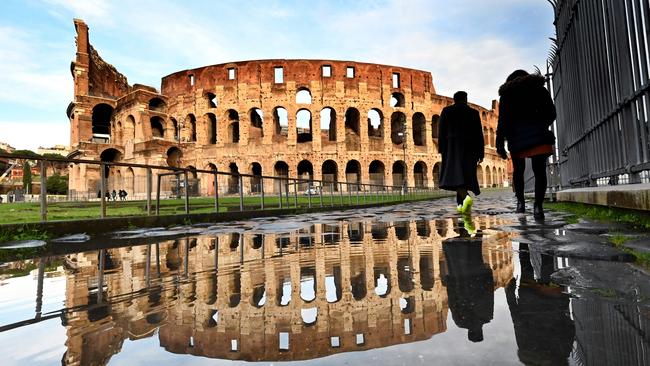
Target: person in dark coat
526,111
470,285
460,142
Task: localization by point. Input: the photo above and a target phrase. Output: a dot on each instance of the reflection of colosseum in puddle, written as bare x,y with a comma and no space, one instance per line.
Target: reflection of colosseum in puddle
330,289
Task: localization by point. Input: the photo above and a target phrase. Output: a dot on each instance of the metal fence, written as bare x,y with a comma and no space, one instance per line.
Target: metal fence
600,66
202,191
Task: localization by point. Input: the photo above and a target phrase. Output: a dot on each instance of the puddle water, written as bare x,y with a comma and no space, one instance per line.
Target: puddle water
343,292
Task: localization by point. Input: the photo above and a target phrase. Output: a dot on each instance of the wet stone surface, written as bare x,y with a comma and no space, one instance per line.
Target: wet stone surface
407,285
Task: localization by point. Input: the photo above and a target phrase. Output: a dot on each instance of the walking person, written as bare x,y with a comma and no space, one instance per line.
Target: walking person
460,142
114,195
526,111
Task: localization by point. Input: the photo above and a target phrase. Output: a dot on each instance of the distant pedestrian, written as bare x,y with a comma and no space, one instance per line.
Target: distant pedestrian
99,194
125,194
114,195
526,111
460,142
108,196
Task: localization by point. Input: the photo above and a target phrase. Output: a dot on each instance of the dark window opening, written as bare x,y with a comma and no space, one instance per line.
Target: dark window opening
397,100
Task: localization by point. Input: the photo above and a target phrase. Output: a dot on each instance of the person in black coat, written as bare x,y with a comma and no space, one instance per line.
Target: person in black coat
460,142
470,284
526,111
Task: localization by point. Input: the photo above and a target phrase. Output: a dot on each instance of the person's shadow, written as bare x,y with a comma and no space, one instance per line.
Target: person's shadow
540,313
470,285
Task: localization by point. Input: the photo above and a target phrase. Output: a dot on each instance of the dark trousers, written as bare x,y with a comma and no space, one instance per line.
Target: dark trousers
539,170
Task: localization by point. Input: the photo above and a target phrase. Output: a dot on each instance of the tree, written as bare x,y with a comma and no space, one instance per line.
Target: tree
27,178
57,184
28,153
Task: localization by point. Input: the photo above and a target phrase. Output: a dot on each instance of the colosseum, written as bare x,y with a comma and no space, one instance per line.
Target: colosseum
336,121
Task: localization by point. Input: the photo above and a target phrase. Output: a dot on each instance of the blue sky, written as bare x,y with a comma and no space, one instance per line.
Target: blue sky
466,44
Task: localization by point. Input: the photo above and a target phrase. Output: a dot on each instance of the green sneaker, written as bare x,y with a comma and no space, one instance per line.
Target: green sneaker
468,223
467,205
459,208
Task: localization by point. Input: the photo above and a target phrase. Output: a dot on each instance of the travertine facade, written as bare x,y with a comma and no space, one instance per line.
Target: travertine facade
324,290
338,121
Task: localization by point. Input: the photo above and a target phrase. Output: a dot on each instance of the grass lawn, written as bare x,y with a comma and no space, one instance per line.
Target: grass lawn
30,212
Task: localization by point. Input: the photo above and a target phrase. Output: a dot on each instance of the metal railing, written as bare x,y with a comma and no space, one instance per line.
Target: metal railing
285,192
601,85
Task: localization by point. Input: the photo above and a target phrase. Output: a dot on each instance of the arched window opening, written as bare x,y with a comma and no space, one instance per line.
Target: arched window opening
280,124
190,128
305,171
129,127
256,180
129,181
358,278
405,274
382,280
399,173
420,174
177,130
353,173
375,124
494,177
256,130
435,126
233,126
192,182
157,127
303,96
333,285
101,123
397,100
436,175
308,283
419,129
327,125
303,126
492,141
211,121
397,127
211,99
110,155
352,134
233,179
174,156
376,172
157,104
208,179
330,175
281,170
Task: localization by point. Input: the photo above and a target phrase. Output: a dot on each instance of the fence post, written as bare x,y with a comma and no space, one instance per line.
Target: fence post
279,193
158,195
262,190
320,193
295,192
102,182
309,186
216,192
149,179
332,194
43,191
357,186
241,193
341,193
187,193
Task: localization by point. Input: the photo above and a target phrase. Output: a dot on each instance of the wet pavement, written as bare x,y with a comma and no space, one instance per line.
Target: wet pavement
401,285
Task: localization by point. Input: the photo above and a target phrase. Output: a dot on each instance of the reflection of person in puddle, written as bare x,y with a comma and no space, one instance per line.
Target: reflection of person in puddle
470,286
540,314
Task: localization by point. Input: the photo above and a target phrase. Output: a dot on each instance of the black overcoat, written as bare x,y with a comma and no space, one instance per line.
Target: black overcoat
460,142
526,111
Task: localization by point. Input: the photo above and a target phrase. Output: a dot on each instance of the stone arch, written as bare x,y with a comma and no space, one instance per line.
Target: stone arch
101,121
176,129
174,157
192,181
479,175
191,127
303,126
280,124
129,181
352,129
419,129
420,174
256,127
110,155
397,127
376,127
281,170
232,118
328,125
377,171
486,136
129,128
211,124
492,137
256,179
233,178
305,170
157,104
119,132
435,126
495,177
209,179
436,175
303,96
353,172
330,174
157,127
397,100
211,100
399,173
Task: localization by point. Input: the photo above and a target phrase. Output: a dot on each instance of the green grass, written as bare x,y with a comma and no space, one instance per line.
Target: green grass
636,219
30,212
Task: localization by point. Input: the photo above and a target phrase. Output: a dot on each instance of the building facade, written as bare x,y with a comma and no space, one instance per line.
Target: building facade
338,121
